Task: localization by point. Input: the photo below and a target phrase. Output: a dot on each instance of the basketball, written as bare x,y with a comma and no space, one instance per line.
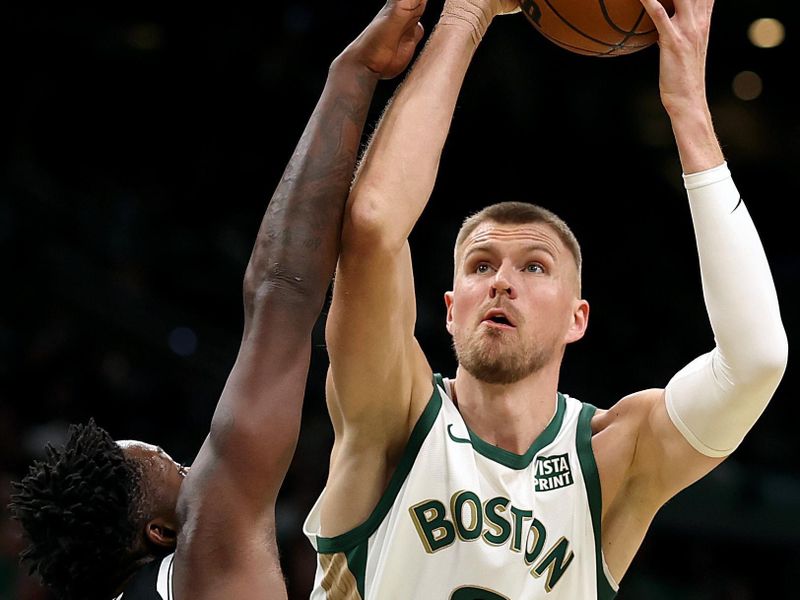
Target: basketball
594,27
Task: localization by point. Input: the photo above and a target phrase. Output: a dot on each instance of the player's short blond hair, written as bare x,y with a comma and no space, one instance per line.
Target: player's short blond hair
518,213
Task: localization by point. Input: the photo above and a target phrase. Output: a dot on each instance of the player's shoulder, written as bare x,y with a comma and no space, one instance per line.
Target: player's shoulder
630,410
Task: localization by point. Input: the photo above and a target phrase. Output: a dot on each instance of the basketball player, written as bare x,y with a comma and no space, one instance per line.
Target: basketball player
493,484
123,520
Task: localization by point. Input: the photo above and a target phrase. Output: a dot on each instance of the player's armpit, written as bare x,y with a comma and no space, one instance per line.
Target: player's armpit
664,450
226,554
641,452
643,461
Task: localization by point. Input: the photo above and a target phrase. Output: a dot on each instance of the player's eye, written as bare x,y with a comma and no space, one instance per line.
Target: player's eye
482,268
534,268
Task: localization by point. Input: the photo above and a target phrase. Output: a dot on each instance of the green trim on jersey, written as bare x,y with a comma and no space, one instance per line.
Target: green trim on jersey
510,459
360,534
357,563
591,479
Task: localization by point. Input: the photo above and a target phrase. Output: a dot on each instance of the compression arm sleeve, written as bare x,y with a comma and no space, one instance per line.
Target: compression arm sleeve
716,399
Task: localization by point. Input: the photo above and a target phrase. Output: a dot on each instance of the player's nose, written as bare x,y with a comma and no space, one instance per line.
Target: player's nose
502,283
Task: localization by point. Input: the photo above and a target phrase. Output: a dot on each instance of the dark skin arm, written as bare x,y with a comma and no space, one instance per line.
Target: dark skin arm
226,545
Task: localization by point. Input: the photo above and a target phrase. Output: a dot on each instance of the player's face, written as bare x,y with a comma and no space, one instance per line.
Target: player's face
165,474
515,304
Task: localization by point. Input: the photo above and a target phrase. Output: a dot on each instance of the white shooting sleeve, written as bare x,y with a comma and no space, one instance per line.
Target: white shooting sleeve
716,399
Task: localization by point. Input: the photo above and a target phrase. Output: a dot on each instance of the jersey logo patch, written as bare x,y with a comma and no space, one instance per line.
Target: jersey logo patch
551,473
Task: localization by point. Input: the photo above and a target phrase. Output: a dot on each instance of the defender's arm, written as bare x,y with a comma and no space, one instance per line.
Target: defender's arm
228,499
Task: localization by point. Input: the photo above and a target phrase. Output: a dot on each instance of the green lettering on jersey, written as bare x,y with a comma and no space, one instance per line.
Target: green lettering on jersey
495,521
475,593
519,519
555,563
437,531
537,535
434,530
472,530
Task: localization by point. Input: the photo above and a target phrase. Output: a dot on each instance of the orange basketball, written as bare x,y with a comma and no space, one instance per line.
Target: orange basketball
594,27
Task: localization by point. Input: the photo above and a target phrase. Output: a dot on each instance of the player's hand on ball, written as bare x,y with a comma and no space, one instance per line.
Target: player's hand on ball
683,45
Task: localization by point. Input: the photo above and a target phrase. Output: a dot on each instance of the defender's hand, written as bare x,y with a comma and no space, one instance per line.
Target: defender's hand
387,44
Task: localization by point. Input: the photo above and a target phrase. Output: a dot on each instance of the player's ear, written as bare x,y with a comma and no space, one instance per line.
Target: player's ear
448,302
580,321
162,532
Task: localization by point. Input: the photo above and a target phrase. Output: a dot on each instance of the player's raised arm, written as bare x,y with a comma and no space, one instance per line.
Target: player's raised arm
681,433
227,543
710,405
377,367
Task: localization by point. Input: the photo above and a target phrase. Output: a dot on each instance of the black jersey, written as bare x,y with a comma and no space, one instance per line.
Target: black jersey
151,582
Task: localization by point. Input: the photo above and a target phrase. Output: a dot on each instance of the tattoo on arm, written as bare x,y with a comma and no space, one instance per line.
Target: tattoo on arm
300,233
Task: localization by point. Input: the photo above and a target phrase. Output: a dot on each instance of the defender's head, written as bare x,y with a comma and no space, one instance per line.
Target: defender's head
516,302
96,510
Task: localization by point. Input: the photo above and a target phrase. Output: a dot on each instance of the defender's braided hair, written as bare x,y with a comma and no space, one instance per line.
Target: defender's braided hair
80,509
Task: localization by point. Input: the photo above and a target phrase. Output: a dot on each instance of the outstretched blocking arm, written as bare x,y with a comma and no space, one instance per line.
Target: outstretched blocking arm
227,543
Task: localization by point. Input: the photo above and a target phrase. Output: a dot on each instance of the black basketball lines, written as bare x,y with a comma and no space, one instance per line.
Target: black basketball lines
534,13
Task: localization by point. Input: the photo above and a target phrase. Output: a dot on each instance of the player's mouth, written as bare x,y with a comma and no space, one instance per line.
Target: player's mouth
497,318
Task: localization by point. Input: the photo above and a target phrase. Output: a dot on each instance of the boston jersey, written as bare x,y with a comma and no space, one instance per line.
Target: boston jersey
462,519
152,582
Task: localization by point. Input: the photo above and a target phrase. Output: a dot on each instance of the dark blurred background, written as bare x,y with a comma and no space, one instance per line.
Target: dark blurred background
141,144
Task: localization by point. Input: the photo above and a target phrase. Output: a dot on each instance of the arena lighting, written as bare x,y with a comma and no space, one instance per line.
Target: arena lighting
747,85
766,33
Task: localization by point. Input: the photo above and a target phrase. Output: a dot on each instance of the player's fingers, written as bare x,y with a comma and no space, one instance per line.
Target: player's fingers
699,6
406,9
658,14
694,11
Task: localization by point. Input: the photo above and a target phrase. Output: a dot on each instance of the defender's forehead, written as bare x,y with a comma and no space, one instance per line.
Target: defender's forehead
140,449
137,445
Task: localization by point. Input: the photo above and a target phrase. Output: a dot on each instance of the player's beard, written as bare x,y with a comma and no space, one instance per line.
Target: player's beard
490,358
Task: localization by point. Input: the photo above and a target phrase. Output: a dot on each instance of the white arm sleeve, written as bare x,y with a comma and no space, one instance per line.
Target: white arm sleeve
716,399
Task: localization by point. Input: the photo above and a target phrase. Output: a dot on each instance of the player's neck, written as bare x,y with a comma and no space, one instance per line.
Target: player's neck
508,416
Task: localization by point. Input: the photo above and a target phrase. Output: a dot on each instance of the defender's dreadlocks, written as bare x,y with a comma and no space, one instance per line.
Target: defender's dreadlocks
80,508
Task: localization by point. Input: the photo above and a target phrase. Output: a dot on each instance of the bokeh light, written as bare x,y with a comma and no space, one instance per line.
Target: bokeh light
766,33
747,85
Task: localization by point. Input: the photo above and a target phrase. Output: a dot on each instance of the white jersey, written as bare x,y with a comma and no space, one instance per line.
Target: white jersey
462,519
